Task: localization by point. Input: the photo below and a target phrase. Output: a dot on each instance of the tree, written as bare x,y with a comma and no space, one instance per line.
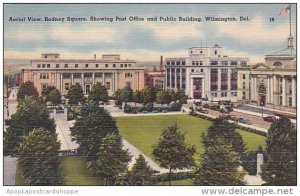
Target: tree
162,97
27,89
98,93
140,174
137,97
31,113
149,95
46,91
219,166
38,158
90,129
127,94
118,95
281,166
54,96
75,94
112,159
226,130
172,152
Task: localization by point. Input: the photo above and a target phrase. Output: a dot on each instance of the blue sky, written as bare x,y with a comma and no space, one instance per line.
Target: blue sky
145,40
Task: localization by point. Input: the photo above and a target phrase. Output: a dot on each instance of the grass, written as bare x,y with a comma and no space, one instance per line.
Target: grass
75,172
185,182
144,131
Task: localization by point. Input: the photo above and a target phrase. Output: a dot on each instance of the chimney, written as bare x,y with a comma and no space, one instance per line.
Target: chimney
95,56
161,63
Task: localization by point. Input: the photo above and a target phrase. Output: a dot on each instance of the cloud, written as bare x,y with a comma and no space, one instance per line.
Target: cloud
84,34
257,31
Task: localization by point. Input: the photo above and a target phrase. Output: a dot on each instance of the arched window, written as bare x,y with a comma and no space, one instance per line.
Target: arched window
277,64
262,89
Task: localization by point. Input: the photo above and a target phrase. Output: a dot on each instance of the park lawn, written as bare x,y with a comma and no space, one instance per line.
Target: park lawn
73,170
144,131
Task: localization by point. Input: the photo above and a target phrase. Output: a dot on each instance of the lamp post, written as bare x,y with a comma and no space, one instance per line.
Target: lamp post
262,108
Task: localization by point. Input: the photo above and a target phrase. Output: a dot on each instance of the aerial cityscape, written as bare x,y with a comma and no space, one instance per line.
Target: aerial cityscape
191,102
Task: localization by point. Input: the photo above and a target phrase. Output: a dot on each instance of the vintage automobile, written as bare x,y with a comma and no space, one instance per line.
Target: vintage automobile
270,119
244,121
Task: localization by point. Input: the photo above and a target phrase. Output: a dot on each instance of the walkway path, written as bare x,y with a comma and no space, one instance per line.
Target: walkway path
10,170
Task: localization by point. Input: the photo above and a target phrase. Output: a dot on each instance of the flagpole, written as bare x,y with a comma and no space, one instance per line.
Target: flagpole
290,20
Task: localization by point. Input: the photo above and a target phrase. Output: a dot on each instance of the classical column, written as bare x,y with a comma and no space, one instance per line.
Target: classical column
202,87
113,82
170,78
271,90
254,88
175,79
219,79
268,89
283,91
116,81
192,87
82,81
61,84
181,78
294,92
72,79
93,76
228,80
103,79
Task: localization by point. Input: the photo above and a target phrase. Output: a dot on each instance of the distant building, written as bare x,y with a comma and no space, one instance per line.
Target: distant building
206,73
111,71
273,83
156,78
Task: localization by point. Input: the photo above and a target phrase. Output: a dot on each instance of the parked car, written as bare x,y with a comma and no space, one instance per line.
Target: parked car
270,119
231,117
206,105
244,121
203,111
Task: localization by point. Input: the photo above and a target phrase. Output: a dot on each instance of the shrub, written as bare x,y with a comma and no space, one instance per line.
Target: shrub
176,107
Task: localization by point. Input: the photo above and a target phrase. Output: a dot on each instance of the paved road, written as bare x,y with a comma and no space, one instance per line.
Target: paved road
10,169
255,109
64,134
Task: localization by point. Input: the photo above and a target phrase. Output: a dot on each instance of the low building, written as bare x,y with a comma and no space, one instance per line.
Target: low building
206,73
111,71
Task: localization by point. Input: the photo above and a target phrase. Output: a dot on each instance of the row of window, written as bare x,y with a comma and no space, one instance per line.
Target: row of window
211,63
76,65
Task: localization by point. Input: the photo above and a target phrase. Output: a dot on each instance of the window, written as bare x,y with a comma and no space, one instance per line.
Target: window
244,85
86,65
192,70
129,65
244,95
290,101
38,65
77,75
66,65
125,65
224,62
121,65
46,56
168,62
76,65
234,94
88,75
108,75
201,70
44,65
114,65
44,76
193,62
57,65
97,65
224,94
197,62
44,86
107,85
67,86
98,75
213,62
106,65
173,63
66,75
201,63
48,65
233,62
128,75
177,62
243,63
244,76
216,52
183,63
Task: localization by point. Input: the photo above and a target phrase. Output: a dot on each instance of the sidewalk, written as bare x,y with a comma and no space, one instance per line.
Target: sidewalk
10,170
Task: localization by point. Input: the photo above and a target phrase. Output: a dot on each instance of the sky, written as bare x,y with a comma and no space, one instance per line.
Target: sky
147,40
